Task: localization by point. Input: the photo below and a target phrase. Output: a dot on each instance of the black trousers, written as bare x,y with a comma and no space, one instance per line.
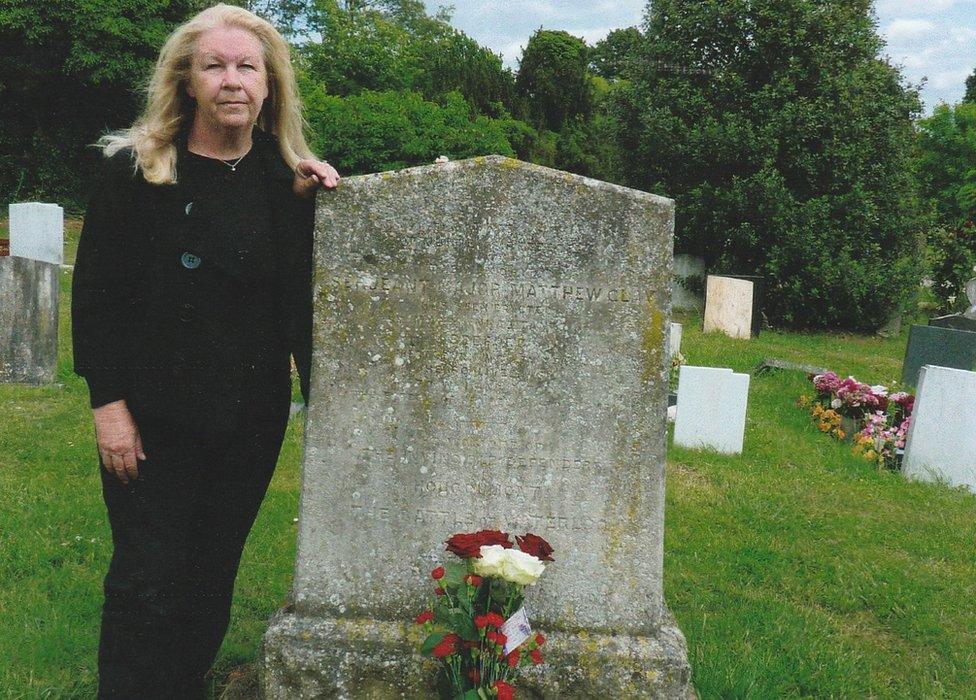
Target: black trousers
178,532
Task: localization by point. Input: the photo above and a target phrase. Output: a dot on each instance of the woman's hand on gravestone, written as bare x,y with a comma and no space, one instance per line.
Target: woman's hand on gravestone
119,442
310,175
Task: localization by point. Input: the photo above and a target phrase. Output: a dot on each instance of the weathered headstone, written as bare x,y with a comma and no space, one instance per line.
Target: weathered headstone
28,320
489,351
674,339
37,231
943,347
687,282
711,412
941,443
965,321
729,306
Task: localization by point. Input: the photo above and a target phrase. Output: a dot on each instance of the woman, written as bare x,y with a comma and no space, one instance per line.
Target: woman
191,289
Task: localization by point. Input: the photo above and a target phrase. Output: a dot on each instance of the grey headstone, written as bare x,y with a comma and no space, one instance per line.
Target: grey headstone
932,345
687,282
711,411
674,339
37,231
941,443
771,363
489,351
729,306
28,320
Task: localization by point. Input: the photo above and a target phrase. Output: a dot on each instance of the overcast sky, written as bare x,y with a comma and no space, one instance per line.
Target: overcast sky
933,39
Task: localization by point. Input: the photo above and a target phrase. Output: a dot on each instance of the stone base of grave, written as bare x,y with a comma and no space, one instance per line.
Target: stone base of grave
312,657
28,320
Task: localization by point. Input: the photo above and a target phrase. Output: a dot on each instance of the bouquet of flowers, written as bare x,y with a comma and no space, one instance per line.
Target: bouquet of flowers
881,438
476,625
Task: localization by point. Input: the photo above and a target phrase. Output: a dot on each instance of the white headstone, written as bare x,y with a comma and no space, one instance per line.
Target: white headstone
711,409
728,306
37,231
941,442
674,343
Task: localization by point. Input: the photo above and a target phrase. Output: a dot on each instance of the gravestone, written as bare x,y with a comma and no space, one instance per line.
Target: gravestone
943,347
674,339
711,411
965,321
489,351
687,282
729,306
28,320
941,444
37,231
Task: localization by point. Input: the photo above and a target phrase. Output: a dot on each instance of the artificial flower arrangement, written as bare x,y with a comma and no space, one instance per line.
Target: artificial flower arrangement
881,418
476,625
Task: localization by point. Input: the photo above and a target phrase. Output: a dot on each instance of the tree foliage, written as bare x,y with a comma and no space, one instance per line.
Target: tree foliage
69,71
970,88
553,81
787,145
612,57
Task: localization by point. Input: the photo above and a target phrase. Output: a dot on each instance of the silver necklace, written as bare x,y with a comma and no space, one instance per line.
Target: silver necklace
233,166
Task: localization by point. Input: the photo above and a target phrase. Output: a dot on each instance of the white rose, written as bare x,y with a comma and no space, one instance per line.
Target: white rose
490,563
521,568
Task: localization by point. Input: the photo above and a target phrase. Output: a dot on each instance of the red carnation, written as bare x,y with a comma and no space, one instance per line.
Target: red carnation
480,621
536,656
439,591
492,637
468,545
425,616
504,690
540,640
500,639
473,580
495,620
438,573
513,658
447,646
535,545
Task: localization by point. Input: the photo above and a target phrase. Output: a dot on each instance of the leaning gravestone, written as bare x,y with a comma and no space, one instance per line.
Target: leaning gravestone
711,412
29,287
730,306
489,351
934,345
941,443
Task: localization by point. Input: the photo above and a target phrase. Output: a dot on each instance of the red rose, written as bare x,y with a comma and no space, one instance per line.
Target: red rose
468,544
504,690
535,545
438,573
495,620
480,621
446,647
473,580
536,656
425,616
513,658
540,640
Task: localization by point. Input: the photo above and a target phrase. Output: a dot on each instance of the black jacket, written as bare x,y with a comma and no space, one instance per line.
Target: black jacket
191,353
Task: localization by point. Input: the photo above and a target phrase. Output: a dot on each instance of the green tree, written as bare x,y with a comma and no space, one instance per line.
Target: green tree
970,88
612,57
68,72
375,131
553,80
947,178
787,145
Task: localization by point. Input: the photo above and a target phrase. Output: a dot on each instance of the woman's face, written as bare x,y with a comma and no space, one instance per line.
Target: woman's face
228,79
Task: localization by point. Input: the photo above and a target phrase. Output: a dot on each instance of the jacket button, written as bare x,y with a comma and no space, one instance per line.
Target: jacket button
190,261
189,206
186,312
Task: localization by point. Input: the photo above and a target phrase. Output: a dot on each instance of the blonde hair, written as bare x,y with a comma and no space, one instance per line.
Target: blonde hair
169,108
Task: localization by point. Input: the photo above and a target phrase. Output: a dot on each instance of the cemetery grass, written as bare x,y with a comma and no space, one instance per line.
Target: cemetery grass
794,570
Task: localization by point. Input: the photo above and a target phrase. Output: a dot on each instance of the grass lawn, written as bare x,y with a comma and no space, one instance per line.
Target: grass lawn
795,570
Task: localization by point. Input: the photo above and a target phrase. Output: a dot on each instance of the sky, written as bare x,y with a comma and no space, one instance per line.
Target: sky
933,40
